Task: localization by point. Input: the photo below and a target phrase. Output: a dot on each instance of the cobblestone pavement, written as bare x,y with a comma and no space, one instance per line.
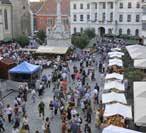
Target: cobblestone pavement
32,110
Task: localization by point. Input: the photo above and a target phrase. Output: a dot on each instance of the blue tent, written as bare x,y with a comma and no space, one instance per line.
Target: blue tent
24,68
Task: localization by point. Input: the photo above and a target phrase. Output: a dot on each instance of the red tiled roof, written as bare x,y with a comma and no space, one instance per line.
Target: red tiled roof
49,8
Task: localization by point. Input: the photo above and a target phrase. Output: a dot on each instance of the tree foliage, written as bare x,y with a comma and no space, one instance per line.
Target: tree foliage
41,35
23,40
90,32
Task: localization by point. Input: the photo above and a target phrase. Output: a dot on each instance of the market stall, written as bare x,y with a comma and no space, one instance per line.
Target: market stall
5,65
118,109
140,103
24,72
116,129
113,76
117,85
113,97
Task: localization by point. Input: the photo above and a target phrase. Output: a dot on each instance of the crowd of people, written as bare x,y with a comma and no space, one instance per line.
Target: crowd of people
75,93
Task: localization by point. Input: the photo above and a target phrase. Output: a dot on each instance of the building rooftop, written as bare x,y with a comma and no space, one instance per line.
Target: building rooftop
49,8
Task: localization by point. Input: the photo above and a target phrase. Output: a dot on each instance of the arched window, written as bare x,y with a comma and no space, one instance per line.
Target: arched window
6,19
75,29
128,31
137,32
81,29
120,31
109,31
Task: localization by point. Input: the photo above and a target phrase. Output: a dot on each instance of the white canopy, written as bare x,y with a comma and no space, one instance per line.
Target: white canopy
116,49
137,51
52,50
115,61
140,103
118,109
115,129
116,53
113,97
114,76
141,63
114,84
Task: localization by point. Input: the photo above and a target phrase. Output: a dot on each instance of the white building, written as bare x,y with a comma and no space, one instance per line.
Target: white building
107,16
144,22
5,19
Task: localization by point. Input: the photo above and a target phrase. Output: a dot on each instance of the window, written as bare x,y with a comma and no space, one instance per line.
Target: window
109,31
95,16
120,18
129,5
111,17
138,5
6,19
128,18
81,18
95,5
50,22
81,29
111,5
88,6
103,5
75,29
137,18
88,17
75,18
103,17
137,32
120,31
121,5
74,6
128,32
81,6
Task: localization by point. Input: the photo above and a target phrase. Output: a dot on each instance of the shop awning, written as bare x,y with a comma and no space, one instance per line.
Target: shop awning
114,76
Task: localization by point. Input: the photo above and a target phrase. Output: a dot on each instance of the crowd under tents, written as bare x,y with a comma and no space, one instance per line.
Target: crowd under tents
115,129
137,51
141,63
113,97
114,85
52,50
118,109
24,72
114,76
140,103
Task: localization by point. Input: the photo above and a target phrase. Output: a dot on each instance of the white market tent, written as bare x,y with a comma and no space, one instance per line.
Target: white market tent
118,109
115,129
52,50
115,61
141,63
113,97
140,103
116,49
116,53
114,76
114,84
137,51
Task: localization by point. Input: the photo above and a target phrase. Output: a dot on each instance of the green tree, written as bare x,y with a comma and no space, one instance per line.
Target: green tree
22,40
90,32
41,35
80,41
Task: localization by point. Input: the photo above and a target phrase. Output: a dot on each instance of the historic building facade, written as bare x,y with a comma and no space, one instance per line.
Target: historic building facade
107,16
21,16
5,19
144,22
46,15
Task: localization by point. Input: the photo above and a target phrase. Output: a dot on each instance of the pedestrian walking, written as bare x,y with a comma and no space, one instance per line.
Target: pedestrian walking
9,113
41,109
2,129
